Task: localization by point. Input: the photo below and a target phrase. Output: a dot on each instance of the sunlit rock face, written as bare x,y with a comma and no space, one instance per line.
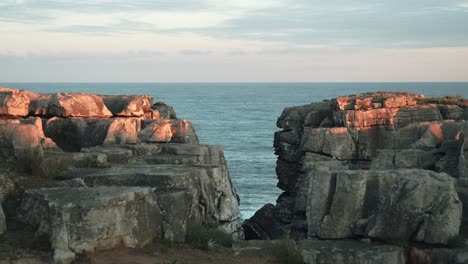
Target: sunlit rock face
355,166
121,164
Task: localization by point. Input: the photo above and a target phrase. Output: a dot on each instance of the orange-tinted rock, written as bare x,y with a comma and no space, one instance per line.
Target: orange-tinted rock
123,131
128,105
13,102
77,105
157,131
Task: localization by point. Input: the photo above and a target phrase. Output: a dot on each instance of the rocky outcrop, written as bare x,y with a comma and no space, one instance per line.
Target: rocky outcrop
387,167
80,220
316,251
346,204
124,172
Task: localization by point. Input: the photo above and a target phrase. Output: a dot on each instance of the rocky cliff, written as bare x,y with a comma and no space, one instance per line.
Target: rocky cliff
112,171
386,168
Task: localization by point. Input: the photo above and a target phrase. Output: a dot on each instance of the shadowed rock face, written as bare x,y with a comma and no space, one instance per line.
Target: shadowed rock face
325,151
129,172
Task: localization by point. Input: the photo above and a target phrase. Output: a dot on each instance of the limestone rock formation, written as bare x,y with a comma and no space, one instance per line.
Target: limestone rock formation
387,167
316,251
80,220
128,105
13,102
119,172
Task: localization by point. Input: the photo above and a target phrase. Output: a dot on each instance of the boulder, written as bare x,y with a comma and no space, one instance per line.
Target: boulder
122,131
13,102
168,130
156,132
77,105
316,251
83,220
72,134
263,225
128,105
163,111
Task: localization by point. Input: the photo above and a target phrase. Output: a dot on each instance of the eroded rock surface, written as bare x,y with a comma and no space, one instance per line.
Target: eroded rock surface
124,172
388,167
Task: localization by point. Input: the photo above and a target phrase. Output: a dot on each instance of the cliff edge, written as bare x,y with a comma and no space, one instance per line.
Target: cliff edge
93,172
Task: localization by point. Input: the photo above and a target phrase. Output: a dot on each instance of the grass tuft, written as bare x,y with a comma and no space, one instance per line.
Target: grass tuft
207,237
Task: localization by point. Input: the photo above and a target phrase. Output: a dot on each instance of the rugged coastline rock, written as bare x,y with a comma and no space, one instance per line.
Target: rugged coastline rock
115,171
386,167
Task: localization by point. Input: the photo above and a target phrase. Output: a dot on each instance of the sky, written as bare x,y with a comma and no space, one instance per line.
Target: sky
233,41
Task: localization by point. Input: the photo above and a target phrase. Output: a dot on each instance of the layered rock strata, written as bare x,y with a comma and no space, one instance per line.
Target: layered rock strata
126,171
387,167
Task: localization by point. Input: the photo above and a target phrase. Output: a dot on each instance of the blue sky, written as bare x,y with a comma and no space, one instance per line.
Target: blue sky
233,40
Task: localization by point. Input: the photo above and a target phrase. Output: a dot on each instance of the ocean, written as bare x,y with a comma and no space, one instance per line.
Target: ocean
242,118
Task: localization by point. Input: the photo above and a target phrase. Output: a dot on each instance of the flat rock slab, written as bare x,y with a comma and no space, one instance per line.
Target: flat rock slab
349,252
156,176
213,201
87,219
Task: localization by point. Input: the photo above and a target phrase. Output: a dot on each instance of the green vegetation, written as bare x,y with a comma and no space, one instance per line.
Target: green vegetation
93,162
447,100
286,252
7,250
207,237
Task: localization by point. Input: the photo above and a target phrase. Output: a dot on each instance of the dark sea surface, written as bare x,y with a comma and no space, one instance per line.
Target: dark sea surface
242,118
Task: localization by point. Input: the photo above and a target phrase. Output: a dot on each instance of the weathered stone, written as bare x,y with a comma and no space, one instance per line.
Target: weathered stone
77,105
452,112
292,118
13,102
3,226
263,225
128,105
438,255
88,219
349,252
403,159
175,207
183,132
335,202
157,131
164,111
336,142
122,131
214,198
428,208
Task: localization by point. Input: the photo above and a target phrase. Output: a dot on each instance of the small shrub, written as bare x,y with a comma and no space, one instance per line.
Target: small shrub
286,252
207,237
93,162
448,100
